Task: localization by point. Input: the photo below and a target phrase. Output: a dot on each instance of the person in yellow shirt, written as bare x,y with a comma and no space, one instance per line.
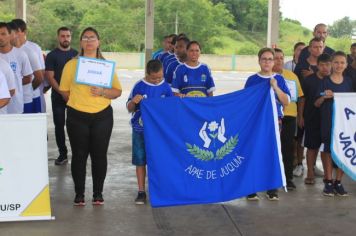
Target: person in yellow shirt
89,120
290,111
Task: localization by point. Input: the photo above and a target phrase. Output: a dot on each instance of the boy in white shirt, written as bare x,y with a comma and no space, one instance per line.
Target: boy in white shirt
21,68
4,91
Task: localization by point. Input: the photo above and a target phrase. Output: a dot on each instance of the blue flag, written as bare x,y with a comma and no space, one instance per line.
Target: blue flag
206,150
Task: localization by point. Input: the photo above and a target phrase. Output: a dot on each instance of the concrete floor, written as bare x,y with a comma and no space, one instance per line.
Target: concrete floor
301,212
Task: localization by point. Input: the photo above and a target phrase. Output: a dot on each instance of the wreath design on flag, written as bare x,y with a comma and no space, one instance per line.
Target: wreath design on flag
216,131
207,155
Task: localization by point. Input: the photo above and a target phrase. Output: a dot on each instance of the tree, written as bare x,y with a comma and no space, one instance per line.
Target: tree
120,23
7,10
249,15
121,29
199,19
221,26
342,27
44,17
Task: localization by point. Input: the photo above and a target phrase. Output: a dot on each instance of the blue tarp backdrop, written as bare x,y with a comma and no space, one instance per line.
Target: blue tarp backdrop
206,150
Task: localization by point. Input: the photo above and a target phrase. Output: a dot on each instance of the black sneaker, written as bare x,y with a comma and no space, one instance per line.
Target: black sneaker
61,160
141,198
328,189
291,185
339,190
79,200
98,199
272,195
252,197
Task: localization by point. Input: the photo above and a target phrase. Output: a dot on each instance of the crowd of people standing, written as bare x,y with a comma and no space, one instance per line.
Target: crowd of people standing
303,87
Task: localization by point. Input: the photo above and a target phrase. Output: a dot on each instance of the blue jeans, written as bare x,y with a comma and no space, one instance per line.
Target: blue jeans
138,149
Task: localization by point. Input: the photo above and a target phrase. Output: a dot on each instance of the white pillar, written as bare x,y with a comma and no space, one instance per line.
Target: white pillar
273,23
20,9
176,31
149,30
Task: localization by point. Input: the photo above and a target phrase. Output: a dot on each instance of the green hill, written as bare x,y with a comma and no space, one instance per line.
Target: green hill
291,32
246,43
223,27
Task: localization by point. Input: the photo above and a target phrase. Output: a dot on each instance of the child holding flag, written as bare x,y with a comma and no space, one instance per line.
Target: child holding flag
152,86
335,83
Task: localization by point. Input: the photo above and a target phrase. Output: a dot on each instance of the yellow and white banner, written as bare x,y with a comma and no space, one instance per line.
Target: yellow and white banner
343,139
24,189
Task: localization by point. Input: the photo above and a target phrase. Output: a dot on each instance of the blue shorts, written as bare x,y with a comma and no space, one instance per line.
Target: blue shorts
28,108
36,105
138,149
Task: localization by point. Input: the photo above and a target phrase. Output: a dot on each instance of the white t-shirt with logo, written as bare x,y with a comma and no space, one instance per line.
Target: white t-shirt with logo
35,65
4,91
21,67
38,52
10,80
39,91
9,75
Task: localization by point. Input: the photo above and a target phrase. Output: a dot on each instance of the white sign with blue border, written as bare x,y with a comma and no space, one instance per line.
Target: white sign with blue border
343,138
292,85
95,72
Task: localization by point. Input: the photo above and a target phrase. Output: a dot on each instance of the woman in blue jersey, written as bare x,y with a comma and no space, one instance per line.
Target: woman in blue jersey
266,62
193,79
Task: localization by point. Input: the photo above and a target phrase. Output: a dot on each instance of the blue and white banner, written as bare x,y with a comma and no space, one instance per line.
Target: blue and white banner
206,150
343,139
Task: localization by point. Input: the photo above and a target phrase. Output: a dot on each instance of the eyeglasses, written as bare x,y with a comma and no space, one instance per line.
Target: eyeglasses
264,59
89,39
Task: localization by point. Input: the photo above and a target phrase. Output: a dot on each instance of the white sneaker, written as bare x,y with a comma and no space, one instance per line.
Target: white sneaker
318,172
298,170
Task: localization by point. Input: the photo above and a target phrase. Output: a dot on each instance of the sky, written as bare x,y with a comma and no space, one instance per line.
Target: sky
311,12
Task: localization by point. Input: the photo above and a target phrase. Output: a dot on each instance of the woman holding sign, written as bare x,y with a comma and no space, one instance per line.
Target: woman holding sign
89,83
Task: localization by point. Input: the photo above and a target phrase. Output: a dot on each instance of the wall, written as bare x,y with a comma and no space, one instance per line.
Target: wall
215,62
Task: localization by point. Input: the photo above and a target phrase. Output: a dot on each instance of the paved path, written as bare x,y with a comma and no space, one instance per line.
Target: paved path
303,212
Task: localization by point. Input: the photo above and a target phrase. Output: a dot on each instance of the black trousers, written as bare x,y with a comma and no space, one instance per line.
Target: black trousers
59,116
89,134
287,139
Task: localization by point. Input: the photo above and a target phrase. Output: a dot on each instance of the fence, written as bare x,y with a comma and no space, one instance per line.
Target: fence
215,62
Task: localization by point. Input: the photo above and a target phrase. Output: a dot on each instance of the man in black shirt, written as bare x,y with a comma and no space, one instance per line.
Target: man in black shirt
351,66
320,32
55,62
303,70
352,56
311,114
309,65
